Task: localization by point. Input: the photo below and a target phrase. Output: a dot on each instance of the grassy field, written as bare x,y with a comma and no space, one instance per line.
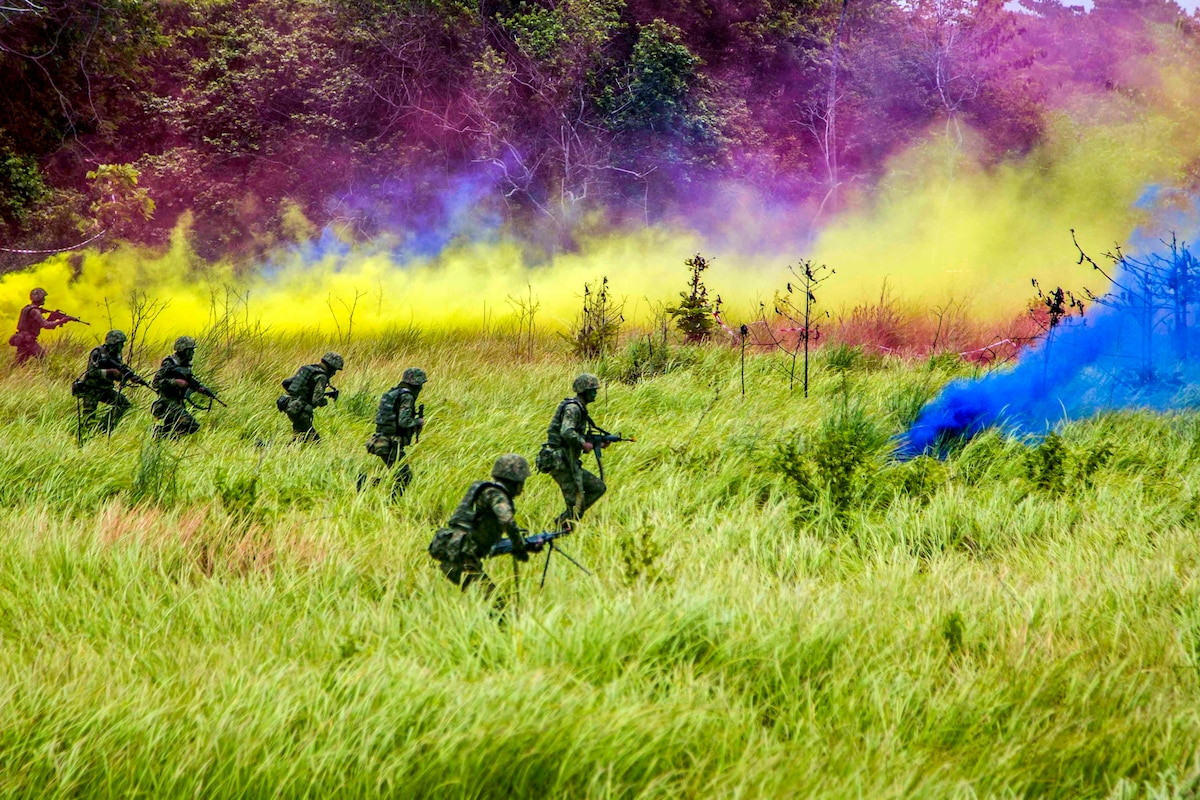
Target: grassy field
777,608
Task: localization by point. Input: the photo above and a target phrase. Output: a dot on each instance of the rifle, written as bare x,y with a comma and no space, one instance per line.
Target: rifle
62,316
332,393
535,544
127,373
598,438
420,415
199,388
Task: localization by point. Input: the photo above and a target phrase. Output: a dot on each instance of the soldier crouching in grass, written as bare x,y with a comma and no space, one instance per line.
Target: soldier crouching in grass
485,515
105,368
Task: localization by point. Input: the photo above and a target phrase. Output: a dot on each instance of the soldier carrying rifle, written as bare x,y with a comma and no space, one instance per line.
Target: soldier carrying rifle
175,383
571,434
398,423
307,391
32,322
484,517
104,369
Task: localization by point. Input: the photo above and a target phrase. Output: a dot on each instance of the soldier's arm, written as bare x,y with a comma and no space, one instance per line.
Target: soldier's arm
40,320
502,507
320,384
406,412
572,428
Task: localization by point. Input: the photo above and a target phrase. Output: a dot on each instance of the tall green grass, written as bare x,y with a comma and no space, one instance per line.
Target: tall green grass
228,616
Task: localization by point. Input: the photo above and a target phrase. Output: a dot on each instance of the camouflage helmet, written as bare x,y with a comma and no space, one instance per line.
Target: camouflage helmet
332,360
511,467
115,337
38,295
414,376
584,382
184,343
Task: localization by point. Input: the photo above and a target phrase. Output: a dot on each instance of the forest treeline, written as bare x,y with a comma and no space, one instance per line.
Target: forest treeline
266,120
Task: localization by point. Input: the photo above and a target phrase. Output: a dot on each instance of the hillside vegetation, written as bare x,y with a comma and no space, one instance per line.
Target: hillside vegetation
777,609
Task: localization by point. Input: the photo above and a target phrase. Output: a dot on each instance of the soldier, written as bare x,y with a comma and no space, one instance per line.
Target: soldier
174,382
485,515
104,368
398,424
561,455
308,390
30,325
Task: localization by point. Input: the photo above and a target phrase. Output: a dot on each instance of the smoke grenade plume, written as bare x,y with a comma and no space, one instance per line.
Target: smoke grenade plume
1137,346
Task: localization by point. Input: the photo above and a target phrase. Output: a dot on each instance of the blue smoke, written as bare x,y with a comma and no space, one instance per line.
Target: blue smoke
1137,347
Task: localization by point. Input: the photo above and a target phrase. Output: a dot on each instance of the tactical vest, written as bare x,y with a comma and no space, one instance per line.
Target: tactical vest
25,322
385,417
466,516
301,384
554,433
170,369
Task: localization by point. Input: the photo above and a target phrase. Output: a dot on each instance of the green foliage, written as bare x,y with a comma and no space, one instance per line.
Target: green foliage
21,185
1046,465
595,331
694,314
118,203
662,74
644,358
640,555
836,462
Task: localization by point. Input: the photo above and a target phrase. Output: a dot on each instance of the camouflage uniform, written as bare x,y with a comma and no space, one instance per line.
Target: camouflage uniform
30,325
397,424
173,382
485,515
561,455
104,368
305,393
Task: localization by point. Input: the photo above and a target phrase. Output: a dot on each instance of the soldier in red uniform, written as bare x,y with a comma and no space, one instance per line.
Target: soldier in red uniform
31,323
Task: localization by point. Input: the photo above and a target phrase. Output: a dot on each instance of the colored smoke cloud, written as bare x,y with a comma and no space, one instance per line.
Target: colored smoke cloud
1136,347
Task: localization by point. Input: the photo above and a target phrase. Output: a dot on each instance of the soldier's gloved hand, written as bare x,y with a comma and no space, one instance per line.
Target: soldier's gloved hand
112,374
420,423
587,447
180,382
521,555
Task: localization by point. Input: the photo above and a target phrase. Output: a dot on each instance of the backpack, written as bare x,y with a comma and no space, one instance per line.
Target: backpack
301,384
385,417
447,544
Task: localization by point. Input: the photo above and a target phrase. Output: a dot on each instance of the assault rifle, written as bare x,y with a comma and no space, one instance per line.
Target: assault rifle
332,393
199,388
62,316
599,439
537,543
127,373
420,415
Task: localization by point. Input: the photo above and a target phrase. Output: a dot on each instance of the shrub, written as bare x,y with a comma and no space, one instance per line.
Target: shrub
694,315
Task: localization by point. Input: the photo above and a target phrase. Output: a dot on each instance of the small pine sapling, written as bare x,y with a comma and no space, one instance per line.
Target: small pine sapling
694,314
